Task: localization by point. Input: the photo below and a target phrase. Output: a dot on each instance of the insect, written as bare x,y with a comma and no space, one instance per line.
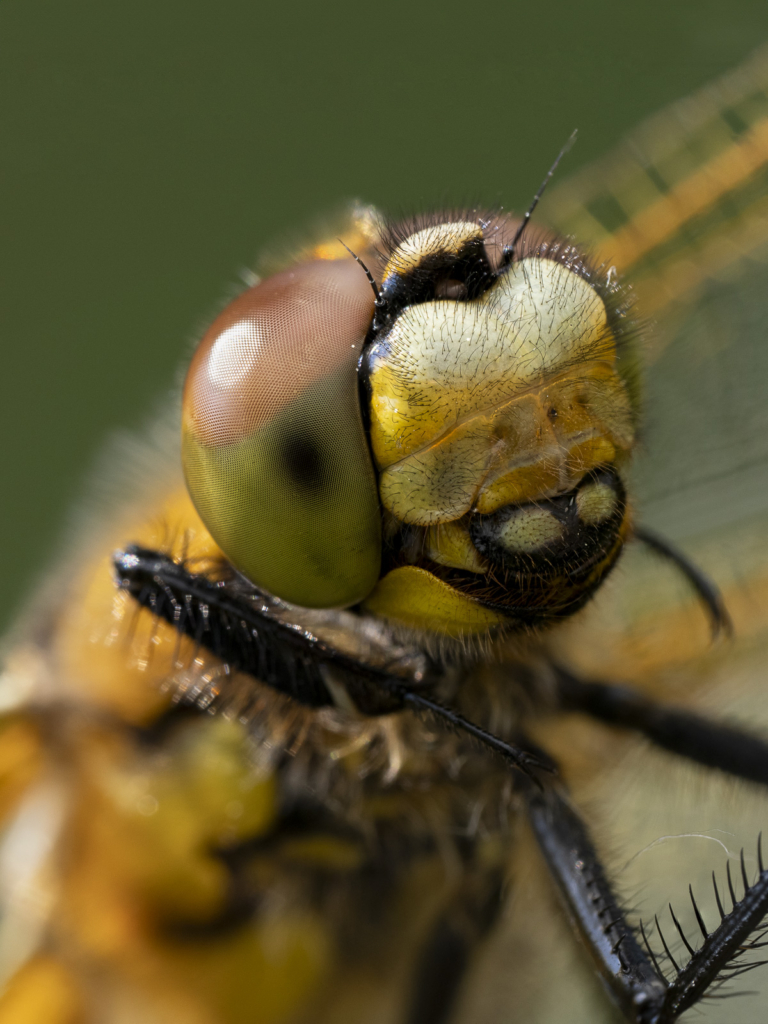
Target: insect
318,730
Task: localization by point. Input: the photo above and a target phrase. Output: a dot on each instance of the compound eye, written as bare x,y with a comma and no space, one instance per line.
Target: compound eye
274,452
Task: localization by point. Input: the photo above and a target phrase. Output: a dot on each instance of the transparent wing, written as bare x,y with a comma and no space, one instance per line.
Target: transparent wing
683,195
681,208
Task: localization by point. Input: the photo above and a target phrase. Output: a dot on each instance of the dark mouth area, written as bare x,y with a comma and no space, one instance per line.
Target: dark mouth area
547,559
568,533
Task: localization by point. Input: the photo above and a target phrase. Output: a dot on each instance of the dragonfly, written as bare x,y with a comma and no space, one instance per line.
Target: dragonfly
469,734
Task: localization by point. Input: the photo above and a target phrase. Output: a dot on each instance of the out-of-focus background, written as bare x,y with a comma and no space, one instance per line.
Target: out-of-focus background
149,150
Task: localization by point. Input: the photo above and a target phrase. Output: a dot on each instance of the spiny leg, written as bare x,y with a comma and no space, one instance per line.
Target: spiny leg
235,622
724,747
633,981
634,978
715,745
720,957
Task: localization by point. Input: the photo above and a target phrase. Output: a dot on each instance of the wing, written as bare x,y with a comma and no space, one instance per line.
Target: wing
681,208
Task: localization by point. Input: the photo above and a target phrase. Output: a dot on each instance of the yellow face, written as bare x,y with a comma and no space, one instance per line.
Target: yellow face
498,408
509,398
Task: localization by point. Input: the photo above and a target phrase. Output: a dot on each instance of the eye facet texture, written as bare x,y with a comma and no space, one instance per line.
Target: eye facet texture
274,451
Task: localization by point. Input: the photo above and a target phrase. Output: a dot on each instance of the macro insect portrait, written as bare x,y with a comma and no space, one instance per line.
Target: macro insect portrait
414,671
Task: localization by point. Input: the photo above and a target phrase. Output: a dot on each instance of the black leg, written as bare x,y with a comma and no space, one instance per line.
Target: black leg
239,627
681,732
710,596
720,957
444,960
626,969
634,978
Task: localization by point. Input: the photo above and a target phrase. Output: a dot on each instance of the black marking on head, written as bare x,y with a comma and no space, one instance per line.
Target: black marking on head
445,276
439,274
467,274
580,547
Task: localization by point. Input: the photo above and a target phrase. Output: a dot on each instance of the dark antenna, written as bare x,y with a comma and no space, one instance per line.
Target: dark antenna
368,274
509,250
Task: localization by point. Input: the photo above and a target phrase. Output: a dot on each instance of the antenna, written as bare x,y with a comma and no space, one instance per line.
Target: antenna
368,274
509,250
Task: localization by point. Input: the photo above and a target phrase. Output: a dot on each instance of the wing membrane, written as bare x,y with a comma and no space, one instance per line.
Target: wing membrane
681,208
684,195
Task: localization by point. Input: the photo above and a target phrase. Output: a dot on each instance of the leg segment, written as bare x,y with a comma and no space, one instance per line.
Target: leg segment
625,968
681,732
707,591
634,978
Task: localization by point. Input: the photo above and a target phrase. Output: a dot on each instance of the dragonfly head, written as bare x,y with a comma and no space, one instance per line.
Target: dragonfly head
448,453
502,407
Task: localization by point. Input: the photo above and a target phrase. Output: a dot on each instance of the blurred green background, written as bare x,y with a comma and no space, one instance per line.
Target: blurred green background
148,150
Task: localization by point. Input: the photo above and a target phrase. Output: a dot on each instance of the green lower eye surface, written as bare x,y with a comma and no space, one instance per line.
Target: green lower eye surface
294,506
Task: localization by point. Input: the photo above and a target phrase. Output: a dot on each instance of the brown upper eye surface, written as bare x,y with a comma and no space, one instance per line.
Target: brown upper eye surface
275,455
275,340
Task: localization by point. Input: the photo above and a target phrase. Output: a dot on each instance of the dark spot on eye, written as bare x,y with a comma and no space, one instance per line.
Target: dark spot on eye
552,414
303,460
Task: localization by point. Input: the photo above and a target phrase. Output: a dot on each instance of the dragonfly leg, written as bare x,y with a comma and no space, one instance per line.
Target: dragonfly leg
706,589
444,960
682,732
640,989
626,969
